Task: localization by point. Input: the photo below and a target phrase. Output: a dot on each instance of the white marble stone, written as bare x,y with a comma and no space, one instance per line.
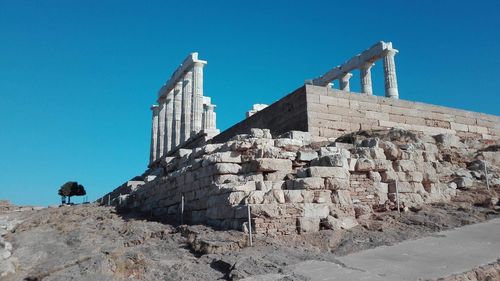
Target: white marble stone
366,78
187,92
169,118
344,82
154,134
391,83
197,104
176,128
161,128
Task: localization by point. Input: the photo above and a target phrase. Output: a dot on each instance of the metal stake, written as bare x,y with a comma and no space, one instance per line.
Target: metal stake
182,209
397,195
486,175
109,199
249,226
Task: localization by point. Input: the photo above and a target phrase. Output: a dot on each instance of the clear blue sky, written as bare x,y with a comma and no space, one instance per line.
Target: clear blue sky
77,77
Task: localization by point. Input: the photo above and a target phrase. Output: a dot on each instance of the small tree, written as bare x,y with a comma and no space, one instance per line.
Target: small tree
71,188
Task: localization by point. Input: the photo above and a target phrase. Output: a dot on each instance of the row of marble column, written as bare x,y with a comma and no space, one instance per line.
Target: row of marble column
391,83
181,113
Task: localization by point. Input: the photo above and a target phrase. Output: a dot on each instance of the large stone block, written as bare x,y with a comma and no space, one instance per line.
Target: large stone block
404,166
312,210
328,172
227,168
306,155
256,197
293,196
342,197
335,160
336,184
364,165
308,225
222,157
273,165
308,183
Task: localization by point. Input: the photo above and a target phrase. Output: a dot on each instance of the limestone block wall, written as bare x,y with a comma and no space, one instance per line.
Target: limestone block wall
295,184
333,112
328,113
289,113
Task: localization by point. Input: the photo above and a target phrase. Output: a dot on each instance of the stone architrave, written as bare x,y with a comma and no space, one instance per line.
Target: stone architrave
187,92
176,128
169,118
366,78
154,134
344,82
197,105
391,83
161,128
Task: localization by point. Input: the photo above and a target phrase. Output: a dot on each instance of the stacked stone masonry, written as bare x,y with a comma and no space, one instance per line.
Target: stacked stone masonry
297,183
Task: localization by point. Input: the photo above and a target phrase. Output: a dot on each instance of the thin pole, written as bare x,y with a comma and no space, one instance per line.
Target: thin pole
182,209
249,226
120,200
397,195
486,175
109,199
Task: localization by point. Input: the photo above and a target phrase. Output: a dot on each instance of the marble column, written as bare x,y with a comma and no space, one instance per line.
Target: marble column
366,78
169,118
197,106
154,134
209,117
161,127
344,82
176,128
391,83
187,93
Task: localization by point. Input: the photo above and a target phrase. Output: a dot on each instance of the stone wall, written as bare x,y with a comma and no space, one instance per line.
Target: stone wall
296,184
333,112
328,113
289,113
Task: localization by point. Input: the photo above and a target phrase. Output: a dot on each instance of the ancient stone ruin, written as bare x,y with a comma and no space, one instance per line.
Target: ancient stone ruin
318,158
182,114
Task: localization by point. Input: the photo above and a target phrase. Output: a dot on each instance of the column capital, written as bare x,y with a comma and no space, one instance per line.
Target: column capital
154,107
346,76
367,65
199,63
390,52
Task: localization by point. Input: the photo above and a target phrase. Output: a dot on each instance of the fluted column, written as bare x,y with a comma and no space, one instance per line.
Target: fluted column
366,78
169,118
187,92
344,82
209,117
154,134
197,106
391,83
176,128
161,127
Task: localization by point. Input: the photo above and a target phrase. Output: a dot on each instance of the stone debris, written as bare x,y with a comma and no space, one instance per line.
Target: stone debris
290,182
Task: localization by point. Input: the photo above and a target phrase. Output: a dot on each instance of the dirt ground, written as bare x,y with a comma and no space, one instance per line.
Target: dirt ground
88,242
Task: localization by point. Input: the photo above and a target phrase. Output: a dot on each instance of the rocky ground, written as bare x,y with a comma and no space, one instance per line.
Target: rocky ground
88,242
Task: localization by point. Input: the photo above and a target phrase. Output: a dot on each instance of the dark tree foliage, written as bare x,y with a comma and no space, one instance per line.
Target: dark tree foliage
71,188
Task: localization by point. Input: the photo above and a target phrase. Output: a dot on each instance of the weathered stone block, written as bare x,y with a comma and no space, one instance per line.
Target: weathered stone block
448,140
273,165
288,143
404,166
221,157
324,196
342,197
414,176
336,184
293,196
308,225
227,168
335,160
328,172
339,223
364,165
312,210
308,183
304,155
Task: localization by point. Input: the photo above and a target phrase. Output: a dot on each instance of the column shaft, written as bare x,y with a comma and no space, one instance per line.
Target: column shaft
169,118
161,128
344,82
391,83
187,92
176,128
154,135
366,78
197,106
